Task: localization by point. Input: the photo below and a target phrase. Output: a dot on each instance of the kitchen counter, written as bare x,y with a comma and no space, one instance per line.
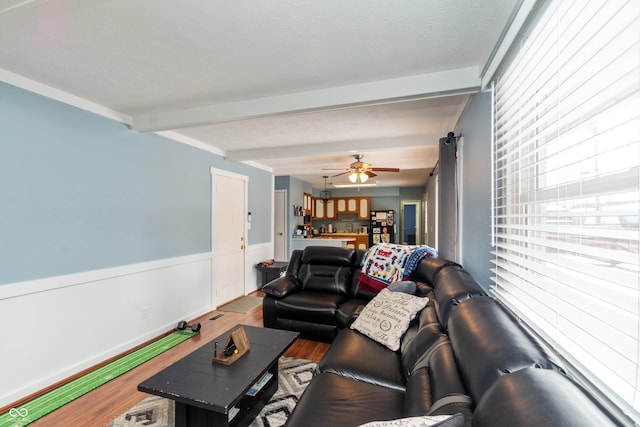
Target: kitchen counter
301,243
326,236
341,234
360,240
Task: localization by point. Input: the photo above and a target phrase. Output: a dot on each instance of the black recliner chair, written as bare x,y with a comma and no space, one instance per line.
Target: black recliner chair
318,295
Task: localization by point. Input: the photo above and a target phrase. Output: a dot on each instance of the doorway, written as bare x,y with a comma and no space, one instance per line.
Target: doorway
410,227
279,225
229,225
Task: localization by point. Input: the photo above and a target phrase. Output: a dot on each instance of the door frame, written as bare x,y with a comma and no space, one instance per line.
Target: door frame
418,206
284,223
245,179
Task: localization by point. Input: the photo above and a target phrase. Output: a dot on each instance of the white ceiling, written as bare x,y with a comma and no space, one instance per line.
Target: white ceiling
292,85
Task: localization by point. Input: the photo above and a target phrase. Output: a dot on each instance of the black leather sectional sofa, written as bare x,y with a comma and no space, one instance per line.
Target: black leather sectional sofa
463,353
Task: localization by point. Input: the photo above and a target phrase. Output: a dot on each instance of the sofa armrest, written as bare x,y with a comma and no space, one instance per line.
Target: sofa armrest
281,286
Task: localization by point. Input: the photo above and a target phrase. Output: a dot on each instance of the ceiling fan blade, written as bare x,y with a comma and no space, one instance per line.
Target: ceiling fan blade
370,174
343,173
385,169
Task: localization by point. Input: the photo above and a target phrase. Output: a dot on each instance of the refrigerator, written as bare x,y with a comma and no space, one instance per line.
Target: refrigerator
382,227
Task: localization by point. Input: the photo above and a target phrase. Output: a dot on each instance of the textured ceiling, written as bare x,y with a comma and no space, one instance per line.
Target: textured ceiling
291,85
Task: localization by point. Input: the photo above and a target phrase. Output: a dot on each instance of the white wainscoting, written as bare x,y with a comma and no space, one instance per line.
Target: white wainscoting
59,326
56,327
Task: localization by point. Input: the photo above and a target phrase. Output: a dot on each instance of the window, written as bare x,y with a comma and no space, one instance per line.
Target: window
567,189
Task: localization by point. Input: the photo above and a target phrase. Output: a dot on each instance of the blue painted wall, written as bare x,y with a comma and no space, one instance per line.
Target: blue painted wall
295,190
81,192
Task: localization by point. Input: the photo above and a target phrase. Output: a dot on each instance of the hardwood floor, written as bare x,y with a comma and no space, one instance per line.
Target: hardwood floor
105,403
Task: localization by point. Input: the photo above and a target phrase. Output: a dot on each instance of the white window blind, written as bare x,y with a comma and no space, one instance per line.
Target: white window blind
567,189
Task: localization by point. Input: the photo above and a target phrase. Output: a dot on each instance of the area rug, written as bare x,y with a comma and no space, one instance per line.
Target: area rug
294,376
242,305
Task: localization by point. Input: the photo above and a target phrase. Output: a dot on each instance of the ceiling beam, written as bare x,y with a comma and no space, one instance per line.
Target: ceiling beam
369,145
452,82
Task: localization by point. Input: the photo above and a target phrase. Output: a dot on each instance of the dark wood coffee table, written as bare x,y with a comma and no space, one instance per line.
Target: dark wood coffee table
206,393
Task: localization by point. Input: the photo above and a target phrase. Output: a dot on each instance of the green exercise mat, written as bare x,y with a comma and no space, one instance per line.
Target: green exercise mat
49,402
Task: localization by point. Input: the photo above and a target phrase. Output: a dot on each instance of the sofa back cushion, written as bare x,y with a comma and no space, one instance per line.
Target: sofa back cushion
326,269
428,269
294,263
538,398
488,342
435,386
339,257
453,285
421,335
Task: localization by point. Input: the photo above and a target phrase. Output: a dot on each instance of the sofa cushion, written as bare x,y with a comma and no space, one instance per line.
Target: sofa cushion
489,342
428,269
387,317
325,278
453,286
421,335
355,356
328,255
435,387
282,286
349,311
456,420
538,398
309,330
332,400
310,306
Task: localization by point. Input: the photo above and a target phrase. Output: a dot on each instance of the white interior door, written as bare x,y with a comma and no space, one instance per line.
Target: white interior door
229,214
279,225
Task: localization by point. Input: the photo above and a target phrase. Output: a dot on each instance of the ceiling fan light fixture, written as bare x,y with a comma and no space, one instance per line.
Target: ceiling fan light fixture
358,177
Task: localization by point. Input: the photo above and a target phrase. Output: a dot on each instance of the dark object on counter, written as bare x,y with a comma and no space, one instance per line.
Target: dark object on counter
267,273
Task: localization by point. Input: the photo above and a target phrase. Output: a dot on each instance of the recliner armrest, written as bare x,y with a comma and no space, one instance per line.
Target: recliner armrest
281,286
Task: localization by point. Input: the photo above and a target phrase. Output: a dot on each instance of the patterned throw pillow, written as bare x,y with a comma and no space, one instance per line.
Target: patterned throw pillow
386,317
456,420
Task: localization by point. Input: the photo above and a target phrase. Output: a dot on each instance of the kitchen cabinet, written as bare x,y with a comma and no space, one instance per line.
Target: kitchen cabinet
330,210
324,210
364,204
307,202
357,205
362,242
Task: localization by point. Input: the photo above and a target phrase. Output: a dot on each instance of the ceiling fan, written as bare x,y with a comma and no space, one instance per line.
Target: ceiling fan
360,172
